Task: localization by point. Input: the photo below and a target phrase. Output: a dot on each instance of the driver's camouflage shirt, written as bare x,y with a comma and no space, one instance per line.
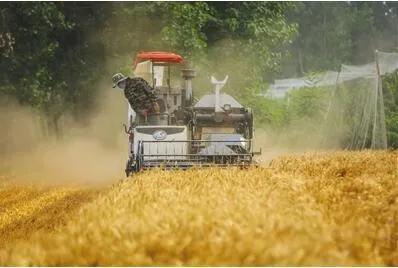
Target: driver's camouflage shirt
140,94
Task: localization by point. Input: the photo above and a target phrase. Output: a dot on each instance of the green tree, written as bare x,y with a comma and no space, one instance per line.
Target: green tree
50,61
390,92
184,29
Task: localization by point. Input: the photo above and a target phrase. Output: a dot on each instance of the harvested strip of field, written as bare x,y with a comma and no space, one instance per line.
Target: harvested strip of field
316,209
26,209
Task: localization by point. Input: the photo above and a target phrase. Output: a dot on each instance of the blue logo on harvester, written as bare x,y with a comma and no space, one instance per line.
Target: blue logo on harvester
159,135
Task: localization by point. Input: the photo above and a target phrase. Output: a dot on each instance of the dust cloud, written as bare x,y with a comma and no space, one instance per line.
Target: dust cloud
94,153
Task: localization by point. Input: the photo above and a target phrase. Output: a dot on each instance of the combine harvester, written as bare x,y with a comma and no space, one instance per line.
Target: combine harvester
214,131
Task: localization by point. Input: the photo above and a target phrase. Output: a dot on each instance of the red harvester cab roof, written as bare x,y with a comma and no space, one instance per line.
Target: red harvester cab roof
158,56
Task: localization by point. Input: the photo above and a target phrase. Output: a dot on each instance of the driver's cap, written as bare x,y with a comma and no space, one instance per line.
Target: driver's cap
117,78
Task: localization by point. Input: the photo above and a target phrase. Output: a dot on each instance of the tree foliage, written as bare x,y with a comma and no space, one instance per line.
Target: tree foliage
335,33
53,54
49,61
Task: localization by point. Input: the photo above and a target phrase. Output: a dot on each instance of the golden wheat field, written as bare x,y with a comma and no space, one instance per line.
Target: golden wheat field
336,208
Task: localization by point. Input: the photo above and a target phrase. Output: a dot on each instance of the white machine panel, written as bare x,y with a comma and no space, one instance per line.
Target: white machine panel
170,150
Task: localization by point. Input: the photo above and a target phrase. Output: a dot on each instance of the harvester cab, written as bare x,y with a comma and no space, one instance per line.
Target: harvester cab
216,130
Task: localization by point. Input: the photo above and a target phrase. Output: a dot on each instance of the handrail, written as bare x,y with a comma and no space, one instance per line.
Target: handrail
185,160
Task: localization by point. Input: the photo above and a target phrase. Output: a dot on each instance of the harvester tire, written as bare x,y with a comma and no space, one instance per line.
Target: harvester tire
128,169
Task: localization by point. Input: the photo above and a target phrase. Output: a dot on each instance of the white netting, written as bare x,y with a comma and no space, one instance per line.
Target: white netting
388,62
356,99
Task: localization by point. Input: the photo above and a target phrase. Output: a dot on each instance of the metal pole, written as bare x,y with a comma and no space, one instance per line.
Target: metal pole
373,144
380,95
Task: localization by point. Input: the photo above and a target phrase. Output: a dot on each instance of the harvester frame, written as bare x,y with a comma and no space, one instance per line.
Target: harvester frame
214,131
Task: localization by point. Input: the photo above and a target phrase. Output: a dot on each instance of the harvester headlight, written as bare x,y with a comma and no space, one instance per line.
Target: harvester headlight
227,107
243,142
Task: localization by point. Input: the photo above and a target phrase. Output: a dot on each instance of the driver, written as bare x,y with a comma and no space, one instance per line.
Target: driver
139,94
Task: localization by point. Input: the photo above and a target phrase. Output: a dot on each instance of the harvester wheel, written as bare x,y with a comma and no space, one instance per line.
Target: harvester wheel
128,169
